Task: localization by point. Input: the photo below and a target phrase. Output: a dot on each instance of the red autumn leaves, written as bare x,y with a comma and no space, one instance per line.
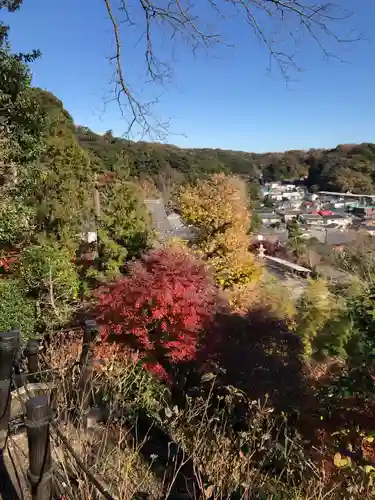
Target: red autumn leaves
160,309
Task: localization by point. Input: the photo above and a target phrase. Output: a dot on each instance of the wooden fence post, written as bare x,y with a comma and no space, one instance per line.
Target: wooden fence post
83,400
38,418
84,387
9,342
32,351
89,334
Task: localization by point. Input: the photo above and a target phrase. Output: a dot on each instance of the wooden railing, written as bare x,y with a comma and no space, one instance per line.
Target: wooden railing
37,397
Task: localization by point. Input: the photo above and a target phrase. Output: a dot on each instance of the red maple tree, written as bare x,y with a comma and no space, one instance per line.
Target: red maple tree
159,309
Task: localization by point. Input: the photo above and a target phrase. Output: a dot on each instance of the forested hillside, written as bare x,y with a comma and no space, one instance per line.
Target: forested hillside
150,159
347,167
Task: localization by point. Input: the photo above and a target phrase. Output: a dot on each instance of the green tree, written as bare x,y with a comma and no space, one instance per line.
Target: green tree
22,122
256,223
358,380
361,307
358,258
60,184
295,238
16,221
50,277
124,225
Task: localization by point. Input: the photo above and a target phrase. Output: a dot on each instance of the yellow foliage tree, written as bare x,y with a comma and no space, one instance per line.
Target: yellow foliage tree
216,202
218,209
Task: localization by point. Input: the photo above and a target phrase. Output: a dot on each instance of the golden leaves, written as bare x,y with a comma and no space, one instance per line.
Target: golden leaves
218,208
215,202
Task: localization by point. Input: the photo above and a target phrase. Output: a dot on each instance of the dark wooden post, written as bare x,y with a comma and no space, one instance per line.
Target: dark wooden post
32,351
89,334
83,401
85,385
38,418
9,342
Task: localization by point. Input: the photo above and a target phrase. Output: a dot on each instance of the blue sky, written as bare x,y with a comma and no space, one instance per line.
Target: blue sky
226,98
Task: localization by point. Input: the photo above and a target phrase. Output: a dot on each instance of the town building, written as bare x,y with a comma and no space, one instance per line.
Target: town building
364,211
294,195
338,220
311,197
289,215
275,196
269,218
311,219
272,235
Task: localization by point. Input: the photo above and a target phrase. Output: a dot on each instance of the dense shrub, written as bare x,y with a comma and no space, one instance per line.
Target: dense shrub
322,321
160,308
243,448
15,221
49,275
16,309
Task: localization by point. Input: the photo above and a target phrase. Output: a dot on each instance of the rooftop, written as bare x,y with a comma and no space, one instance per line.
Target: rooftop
267,214
346,195
289,212
335,216
311,216
286,263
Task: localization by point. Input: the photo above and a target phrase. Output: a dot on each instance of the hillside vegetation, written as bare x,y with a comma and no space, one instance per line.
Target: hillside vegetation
151,159
344,168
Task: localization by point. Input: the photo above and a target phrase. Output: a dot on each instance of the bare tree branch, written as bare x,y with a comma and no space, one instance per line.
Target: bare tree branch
183,21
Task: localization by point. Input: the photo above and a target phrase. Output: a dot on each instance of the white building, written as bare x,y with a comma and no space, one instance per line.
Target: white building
294,195
311,196
269,218
311,219
337,220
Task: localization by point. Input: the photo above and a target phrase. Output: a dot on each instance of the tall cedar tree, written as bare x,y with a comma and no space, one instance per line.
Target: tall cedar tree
61,183
125,226
160,309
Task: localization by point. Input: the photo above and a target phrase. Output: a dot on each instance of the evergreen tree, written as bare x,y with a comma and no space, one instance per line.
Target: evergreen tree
124,224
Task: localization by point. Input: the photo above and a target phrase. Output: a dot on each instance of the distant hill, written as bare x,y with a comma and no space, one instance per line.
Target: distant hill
344,168
149,159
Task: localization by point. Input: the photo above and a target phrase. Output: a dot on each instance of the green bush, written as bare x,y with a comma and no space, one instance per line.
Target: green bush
16,220
125,226
16,309
49,274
